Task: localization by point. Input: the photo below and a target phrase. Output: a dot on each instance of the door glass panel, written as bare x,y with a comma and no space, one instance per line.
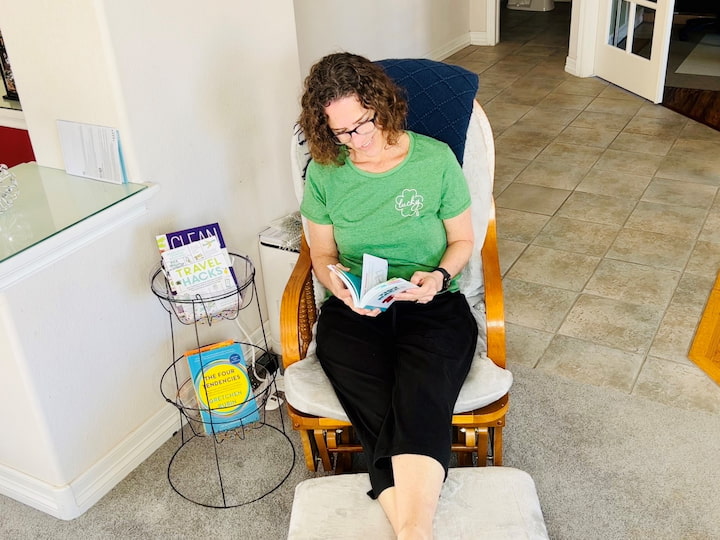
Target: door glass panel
631,27
617,33
643,35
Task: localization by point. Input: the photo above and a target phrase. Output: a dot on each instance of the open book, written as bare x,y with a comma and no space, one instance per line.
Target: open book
374,289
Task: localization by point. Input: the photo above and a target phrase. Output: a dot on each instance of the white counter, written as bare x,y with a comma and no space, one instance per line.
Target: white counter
56,213
79,355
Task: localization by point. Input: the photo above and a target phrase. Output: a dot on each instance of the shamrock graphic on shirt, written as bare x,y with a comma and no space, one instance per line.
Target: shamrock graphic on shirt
409,203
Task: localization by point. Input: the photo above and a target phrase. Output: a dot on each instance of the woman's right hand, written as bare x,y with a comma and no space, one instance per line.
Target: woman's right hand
323,251
339,290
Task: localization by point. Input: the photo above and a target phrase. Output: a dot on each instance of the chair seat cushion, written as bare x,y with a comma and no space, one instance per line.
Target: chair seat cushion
475,502
308,389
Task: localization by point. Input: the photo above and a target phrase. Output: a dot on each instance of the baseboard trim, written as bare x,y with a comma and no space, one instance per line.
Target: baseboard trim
74,499
480,38
571,66
447,50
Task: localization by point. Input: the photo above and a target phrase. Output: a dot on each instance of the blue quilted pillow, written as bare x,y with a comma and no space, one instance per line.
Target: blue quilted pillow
440,98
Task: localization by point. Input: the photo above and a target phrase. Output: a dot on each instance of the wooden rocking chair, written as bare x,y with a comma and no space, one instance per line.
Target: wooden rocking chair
479,414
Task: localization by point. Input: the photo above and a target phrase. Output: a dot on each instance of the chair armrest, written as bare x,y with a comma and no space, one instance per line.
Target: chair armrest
297,309
494,308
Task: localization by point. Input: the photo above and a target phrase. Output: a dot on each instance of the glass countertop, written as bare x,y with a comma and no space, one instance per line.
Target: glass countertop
51,201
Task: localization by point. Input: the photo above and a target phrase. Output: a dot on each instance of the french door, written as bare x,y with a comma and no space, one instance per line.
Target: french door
633,38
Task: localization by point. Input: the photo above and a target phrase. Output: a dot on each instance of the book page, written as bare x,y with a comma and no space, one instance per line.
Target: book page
351,281
382,295
374,272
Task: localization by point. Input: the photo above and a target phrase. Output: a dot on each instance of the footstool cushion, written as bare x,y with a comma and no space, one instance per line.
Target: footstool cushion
475,502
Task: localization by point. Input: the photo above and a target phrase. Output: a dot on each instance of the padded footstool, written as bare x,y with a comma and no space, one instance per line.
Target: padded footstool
475,503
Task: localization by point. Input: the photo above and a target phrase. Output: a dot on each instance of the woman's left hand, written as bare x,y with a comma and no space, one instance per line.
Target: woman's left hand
429,284
459,248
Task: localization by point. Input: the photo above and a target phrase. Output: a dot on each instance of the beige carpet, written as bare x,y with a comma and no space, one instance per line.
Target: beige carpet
612,466
704,59
607,466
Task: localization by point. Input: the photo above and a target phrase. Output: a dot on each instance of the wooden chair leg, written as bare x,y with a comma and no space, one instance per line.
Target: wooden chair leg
465,459
331,436
343,461
334,438
482,447
497,446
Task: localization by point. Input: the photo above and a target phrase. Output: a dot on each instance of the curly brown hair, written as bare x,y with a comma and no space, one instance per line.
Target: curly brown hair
341,75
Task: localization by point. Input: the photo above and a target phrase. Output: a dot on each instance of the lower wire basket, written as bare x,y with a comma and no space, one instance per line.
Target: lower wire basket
225,468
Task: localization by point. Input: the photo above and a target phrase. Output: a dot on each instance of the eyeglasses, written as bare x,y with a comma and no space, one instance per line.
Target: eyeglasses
366,128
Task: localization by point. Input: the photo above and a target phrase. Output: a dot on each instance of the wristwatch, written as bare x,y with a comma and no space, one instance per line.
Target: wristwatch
446,278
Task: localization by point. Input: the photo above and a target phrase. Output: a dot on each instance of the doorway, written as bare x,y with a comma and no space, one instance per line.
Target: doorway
692,83
541,28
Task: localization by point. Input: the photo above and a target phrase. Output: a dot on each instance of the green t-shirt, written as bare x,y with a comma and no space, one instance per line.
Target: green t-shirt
396,214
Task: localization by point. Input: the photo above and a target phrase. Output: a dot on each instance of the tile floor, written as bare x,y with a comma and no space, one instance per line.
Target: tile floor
608,218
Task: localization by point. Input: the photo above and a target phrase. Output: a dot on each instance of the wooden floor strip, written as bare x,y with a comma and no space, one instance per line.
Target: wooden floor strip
705,348
700,105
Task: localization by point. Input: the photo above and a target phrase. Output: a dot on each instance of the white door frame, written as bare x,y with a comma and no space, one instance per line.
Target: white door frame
583,33
492,22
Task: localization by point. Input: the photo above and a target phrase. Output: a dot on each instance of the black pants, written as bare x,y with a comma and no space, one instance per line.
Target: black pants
398,375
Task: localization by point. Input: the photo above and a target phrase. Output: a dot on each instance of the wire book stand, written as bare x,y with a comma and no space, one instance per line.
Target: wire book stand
214,466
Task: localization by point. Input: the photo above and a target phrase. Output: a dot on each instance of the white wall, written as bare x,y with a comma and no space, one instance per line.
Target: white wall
205,97
60,68
379,29
211,93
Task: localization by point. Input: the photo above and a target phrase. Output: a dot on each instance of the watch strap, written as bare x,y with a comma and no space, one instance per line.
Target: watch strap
446,278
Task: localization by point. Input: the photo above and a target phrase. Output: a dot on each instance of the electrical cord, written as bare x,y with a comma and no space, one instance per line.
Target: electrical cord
273,400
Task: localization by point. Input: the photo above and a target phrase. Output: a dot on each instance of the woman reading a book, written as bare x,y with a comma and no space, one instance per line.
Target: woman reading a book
373,187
